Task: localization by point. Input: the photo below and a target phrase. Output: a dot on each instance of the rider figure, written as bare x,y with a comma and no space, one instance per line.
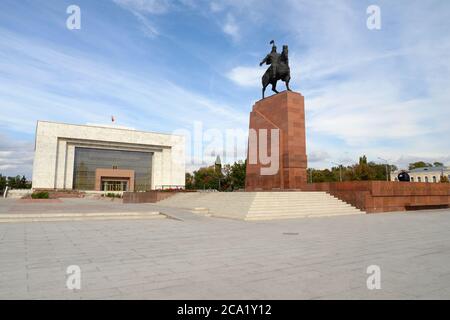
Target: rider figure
284,57
273,59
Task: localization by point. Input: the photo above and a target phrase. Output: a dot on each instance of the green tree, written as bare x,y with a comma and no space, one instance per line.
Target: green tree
207,178
2,182
363,170
438,164
189,181
419,164
237,175
16,182
228,178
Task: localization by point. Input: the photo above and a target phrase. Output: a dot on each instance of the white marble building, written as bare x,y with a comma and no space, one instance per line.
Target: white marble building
110,158
427,174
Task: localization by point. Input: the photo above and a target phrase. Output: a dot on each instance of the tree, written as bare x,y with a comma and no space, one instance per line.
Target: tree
228,178
419,164
2,182
363,170
237,175
363,160
438,164
444,179
206,178
189,181
16,182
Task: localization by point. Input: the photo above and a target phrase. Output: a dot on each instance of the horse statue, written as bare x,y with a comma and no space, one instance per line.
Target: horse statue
278,70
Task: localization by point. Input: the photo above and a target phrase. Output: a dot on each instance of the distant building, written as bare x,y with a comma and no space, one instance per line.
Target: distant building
427,174
106,158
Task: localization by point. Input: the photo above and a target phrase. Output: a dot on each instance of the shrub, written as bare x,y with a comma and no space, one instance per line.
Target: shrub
40,195
113,195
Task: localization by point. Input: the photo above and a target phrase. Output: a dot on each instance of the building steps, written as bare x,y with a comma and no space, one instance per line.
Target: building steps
262,205
43,217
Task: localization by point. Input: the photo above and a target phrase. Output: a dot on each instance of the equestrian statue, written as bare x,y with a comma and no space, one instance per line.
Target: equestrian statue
278,70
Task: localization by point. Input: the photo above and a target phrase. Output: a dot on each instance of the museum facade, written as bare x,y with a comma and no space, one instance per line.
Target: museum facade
106,158
426,174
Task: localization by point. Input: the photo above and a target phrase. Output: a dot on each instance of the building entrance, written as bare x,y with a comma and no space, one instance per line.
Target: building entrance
114,185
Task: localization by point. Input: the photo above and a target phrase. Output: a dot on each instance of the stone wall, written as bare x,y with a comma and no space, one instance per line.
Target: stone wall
384,196
146,197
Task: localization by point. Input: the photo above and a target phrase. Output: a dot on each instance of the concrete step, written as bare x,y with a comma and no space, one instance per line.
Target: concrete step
42,217
262,205
293,216
297,210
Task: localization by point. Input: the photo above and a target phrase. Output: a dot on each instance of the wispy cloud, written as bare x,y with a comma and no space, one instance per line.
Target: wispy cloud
363,91
16,156
147,26
381,93
41,81
246,76
231,28
145,6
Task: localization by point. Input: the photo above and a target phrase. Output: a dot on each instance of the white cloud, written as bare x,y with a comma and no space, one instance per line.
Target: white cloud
41,81
318,156
215,6
141,8
16,156
147,27
381,93
145,6
246,76
231,28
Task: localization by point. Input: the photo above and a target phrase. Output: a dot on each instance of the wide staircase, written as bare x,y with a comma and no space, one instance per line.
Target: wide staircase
51,216
261,205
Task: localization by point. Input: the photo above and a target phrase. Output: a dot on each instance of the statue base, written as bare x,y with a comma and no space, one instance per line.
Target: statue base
284,111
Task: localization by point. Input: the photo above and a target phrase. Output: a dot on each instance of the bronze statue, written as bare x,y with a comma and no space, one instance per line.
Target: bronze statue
278,70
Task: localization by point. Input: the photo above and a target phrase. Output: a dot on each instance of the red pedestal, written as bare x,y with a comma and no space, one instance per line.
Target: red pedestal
284,111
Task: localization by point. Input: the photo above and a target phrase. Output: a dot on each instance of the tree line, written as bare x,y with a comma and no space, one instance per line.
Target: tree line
226,178
362,171
17,182
232,177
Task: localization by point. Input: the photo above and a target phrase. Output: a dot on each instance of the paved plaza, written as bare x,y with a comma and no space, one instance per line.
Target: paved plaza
196,257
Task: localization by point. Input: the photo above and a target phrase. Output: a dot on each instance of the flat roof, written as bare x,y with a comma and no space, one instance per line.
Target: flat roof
428,169
108,127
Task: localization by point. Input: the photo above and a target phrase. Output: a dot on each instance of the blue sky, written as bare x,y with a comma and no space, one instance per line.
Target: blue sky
160,65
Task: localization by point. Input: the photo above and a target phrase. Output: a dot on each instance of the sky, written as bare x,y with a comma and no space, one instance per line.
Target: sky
187,66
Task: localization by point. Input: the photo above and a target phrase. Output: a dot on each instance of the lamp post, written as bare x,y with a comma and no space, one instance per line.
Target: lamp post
340,170
387,170
5,194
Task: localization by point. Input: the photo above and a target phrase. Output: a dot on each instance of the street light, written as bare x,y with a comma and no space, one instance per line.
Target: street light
5,194
340,170
387,170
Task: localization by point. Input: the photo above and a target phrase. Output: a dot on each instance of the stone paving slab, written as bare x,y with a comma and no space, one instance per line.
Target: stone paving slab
209,258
